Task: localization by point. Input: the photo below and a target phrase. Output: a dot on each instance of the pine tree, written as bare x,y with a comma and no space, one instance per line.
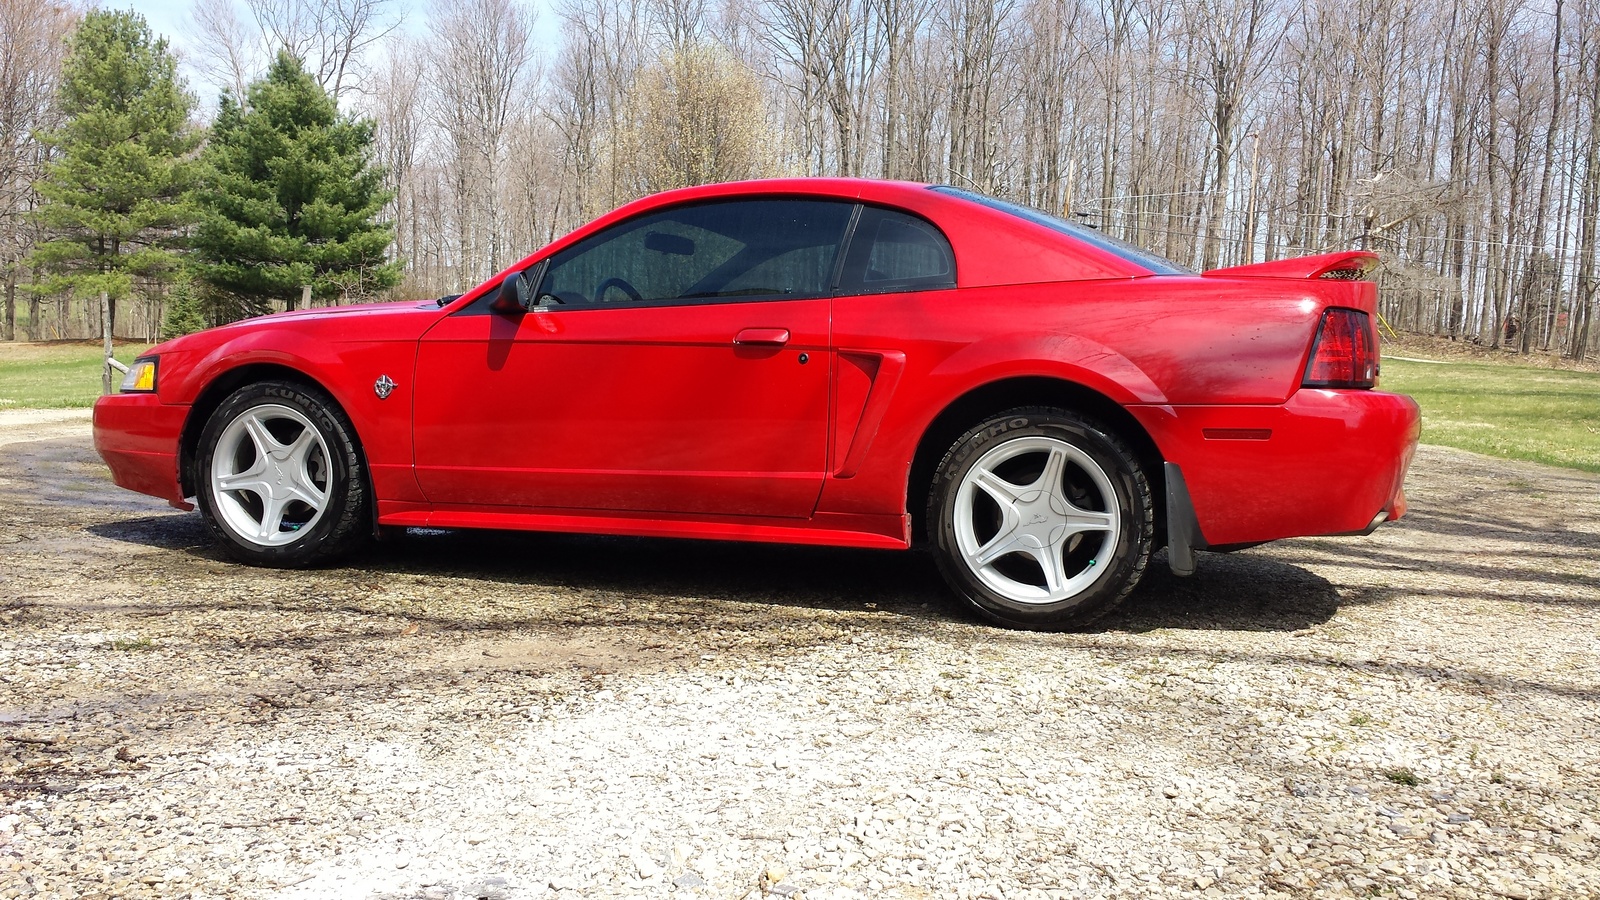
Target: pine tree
185,313
289,198
114,196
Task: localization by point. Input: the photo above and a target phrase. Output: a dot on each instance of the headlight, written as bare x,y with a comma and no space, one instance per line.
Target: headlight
141,376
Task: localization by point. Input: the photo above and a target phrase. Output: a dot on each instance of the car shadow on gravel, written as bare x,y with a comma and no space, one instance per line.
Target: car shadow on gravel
1541,573
1227,592
1479,525
1236,592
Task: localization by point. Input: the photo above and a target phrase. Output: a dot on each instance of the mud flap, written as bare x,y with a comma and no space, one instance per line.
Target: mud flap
1183,529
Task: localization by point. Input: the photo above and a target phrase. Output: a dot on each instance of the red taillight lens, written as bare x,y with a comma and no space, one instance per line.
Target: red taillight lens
1345,354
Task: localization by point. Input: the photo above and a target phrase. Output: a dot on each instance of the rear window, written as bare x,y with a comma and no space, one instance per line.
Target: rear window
1156,263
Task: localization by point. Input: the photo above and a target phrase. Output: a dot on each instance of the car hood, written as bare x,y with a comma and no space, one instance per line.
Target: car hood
396,320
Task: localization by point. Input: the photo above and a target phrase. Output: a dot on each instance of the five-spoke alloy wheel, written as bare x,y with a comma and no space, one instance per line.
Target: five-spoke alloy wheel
1041,519
279,476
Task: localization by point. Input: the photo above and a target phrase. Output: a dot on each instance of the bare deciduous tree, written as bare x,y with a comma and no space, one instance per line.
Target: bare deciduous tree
698,118
1460,140
331,38
225,50
480,65
32,45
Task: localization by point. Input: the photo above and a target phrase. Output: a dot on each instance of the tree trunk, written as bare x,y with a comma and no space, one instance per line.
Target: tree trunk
1223,157
11,305
34,310
1589,235
1493,298
1550,291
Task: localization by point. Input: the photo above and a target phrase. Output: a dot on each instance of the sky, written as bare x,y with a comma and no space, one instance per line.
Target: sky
171,17
164,17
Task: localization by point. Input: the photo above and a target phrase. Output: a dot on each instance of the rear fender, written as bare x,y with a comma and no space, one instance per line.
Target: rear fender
1067,357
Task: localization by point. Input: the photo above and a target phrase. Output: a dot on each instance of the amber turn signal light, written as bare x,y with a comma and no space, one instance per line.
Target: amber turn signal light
141,376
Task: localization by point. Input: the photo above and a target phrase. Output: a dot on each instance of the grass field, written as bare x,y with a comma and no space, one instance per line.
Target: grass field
1518,412
42,376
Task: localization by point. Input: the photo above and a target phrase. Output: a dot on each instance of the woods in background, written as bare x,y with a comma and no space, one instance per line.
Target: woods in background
1459,138
121,203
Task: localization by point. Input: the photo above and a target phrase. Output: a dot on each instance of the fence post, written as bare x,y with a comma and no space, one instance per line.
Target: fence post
105,332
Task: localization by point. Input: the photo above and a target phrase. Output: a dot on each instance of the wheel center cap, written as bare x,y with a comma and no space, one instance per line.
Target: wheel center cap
1041,519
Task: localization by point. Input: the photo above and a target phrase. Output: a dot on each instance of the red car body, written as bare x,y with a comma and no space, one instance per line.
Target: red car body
704,420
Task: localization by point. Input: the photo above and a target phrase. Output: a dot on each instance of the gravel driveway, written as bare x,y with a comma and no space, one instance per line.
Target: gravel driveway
488,715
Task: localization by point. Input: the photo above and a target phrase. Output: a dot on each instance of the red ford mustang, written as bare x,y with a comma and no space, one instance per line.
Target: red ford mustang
844,362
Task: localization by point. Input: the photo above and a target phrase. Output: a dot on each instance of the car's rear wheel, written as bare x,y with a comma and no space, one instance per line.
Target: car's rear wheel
279,476
1041,518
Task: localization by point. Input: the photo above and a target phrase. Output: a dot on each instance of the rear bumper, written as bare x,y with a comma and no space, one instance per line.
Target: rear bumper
1324,462
137,436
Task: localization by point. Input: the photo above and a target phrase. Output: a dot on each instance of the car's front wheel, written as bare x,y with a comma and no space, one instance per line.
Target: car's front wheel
279,477
1041,519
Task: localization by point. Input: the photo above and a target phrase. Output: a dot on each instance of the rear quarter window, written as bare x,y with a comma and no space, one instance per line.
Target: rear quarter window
892,251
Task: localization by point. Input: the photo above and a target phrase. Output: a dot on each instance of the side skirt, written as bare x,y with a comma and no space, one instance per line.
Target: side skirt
827,529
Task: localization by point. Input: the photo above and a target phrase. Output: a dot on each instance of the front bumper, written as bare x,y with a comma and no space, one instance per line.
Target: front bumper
1324,462
137,435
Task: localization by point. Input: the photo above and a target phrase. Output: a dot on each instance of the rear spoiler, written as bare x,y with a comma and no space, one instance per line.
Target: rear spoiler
1345,265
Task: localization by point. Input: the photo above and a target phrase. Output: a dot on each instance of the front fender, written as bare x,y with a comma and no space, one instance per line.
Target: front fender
347,369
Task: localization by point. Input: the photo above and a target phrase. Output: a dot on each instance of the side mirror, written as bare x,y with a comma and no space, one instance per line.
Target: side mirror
512,297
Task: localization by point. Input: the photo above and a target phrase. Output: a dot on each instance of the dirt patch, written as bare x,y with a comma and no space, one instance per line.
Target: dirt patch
28,425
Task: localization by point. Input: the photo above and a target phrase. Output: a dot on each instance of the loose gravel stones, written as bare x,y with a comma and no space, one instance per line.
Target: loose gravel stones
463,715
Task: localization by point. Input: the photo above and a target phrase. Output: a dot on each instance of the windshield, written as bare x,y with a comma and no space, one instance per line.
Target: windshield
1157,264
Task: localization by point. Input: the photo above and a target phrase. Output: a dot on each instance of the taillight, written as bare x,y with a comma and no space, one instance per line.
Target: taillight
1345,354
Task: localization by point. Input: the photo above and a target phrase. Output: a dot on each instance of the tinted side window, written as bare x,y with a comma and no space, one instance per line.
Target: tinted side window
893,251
757,249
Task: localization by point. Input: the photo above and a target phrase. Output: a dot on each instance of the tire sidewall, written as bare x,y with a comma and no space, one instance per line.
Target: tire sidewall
1132,496
346,483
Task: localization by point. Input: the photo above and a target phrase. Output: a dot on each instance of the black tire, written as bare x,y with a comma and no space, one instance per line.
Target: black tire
321,459
1097,520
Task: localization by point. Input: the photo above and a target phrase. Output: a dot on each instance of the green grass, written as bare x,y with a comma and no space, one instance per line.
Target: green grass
1519,412
50,375
1403,776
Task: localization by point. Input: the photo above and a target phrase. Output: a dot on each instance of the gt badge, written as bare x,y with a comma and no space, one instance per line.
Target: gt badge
384,387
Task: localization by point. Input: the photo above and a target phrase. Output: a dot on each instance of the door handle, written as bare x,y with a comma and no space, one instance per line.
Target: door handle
771,337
